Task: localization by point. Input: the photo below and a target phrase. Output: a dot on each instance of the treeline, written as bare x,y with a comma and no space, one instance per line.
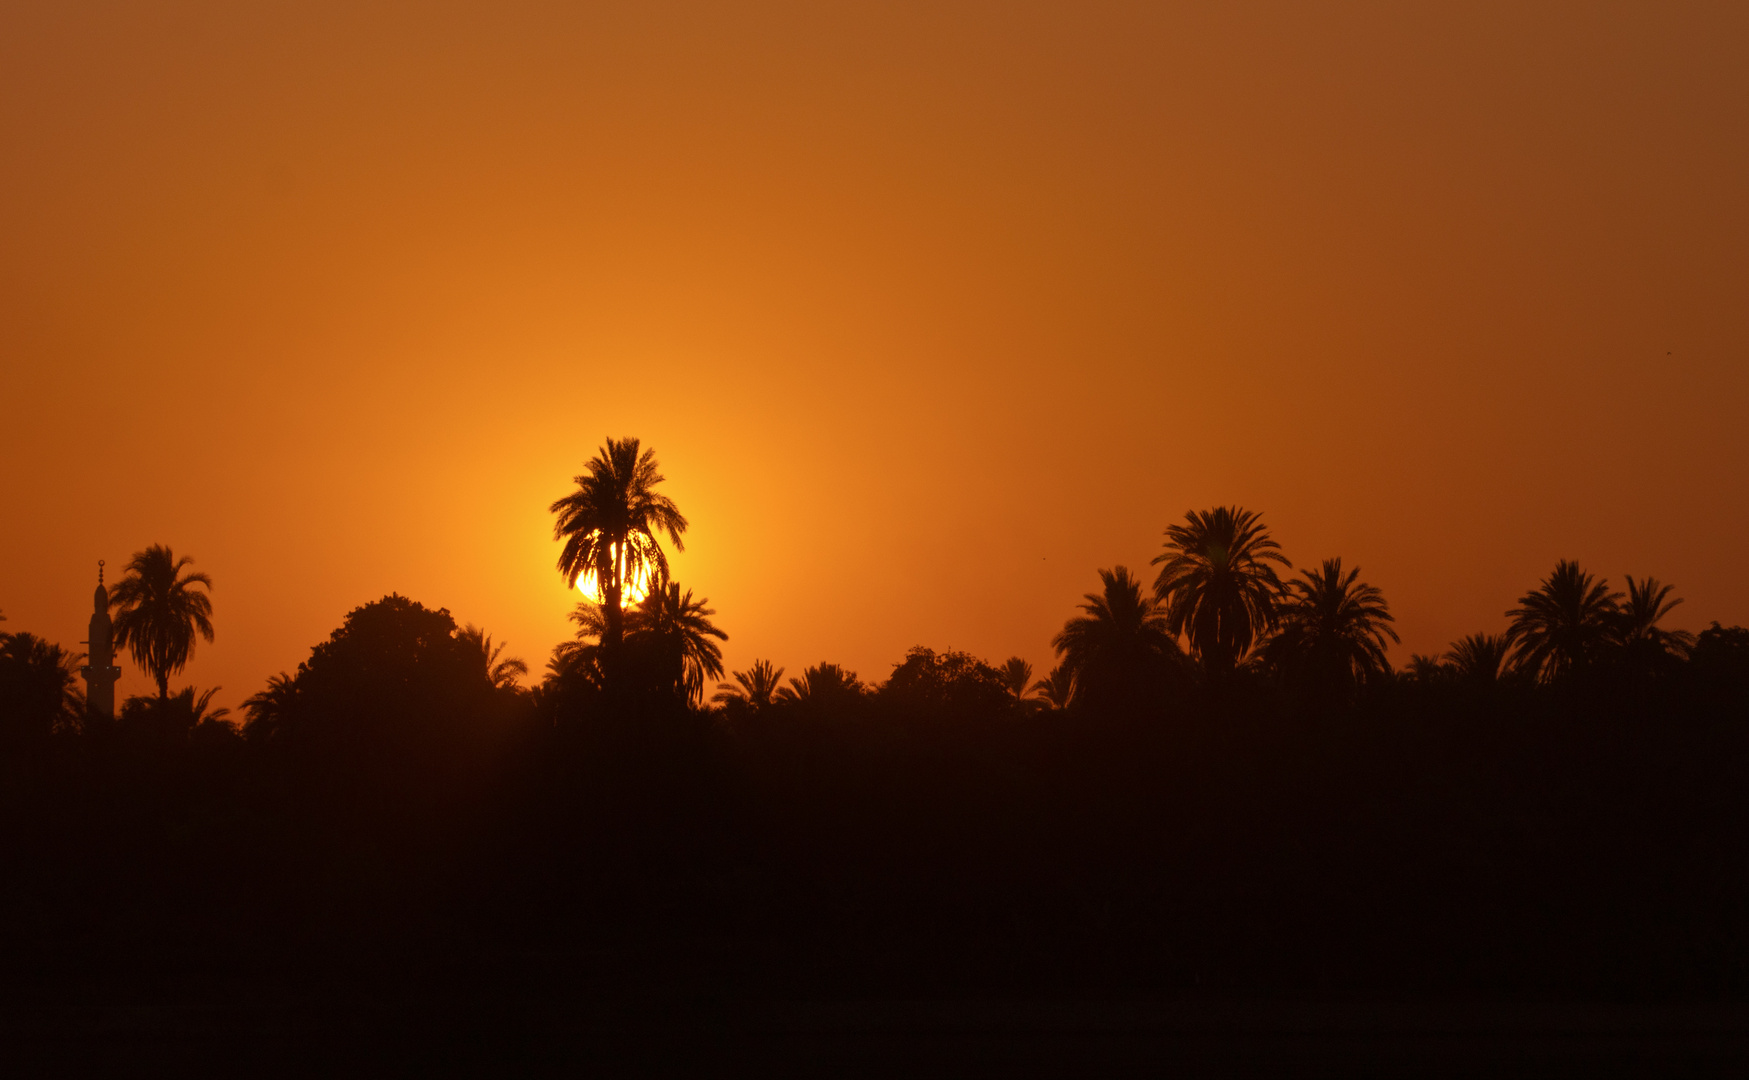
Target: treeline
1223,788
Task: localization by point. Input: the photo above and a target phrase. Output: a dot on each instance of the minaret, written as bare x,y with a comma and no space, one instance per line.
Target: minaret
101,673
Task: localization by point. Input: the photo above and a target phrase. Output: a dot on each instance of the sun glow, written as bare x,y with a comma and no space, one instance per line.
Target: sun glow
636,578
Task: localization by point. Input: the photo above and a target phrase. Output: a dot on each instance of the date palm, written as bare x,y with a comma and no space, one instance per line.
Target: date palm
500,670
1334,628
756,687
1056,689
823,685
1480,659
1016,677
609,526
160,613
39,687
1562,625
1216,584
1121,642
678,632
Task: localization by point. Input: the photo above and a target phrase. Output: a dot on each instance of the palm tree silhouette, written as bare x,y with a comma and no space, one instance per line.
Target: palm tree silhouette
1017,677
679,630
1123,637
1425,669
609,526
1564,623
1056,689
1333,628
1216,585
1480,658
264,709
501,673
1647,602
756,687
823,684
39,685
160,613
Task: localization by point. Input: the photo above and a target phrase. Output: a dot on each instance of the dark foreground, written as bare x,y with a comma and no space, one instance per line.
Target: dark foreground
270,1035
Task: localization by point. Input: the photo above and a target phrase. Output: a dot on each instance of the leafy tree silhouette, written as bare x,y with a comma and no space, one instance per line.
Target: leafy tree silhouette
1123,647
160,612
946,687
39,688
1216,584
1564,624
754,689
609,526
1480,659
1333,630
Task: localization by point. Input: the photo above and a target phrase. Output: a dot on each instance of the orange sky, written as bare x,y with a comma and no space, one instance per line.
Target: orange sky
929,310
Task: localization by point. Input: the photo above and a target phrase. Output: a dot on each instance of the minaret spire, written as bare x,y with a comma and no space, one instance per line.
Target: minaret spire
101,673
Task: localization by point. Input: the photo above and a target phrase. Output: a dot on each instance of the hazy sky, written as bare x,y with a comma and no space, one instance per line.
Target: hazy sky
930,310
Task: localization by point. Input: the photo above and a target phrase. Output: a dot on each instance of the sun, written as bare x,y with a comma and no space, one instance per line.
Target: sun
636,587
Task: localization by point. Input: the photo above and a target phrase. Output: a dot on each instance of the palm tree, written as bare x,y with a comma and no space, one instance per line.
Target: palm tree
1123,640
1333,629
1425,670
823,684
1480,659
1017,677
1648,601
1057,689
39,686
756,687
160,613
1560,626
265,709
609,526
501,673
678,631
1216,585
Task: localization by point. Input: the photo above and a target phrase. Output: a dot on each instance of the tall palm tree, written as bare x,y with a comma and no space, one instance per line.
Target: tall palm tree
1216,584
1563,624
1333,628
678,630
1017,677
501,671
609,526
1056,689
1480,659
1123,640
161,612
756,687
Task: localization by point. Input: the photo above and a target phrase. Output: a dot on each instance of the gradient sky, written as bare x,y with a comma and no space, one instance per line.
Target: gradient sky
930,310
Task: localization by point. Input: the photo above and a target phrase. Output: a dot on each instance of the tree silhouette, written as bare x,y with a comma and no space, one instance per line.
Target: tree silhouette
1480,659
501,671
609,526
1563,624
1644,646
1017,677
264,709
1333,631
39,688
160,612
1123,646
755,688
672,634
1056,689
824,685
1425,670
1216,584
